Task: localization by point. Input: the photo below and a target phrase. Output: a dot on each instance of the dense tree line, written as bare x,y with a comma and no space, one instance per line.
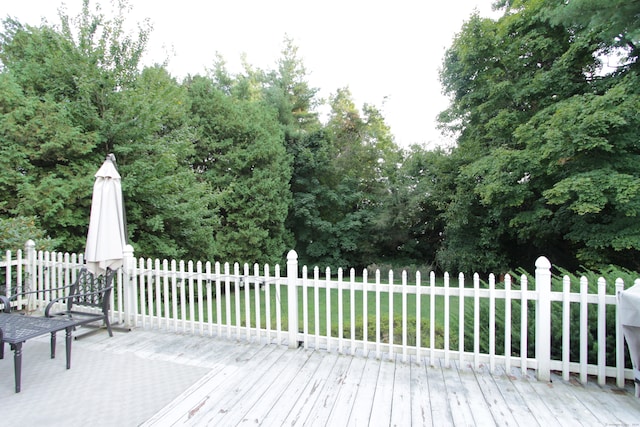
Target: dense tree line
548,140
240,167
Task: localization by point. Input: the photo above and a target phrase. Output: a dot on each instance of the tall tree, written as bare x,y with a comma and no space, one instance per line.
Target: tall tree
74,94
288,89
50,129
339,185
240,152
544,142
617,23
410,220
170,207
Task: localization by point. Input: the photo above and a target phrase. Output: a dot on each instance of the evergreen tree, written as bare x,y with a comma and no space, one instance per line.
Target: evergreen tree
73,95
239,151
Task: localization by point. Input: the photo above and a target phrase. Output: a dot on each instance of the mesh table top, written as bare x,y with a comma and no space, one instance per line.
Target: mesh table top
19,328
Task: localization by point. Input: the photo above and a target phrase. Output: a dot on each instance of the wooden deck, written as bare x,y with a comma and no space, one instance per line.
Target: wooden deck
272,385
228,383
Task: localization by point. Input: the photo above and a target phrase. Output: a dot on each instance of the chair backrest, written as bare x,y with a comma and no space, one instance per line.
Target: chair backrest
91,291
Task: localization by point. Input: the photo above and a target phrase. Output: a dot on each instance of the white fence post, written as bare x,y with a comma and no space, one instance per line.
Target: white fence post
29,284
30,250
543,318
292,297
619,338
129,288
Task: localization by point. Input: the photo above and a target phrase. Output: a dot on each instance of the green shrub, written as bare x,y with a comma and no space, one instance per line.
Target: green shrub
500,316
14,233
610,274
397,332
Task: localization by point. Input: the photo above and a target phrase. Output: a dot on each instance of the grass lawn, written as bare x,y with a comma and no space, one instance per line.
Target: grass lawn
233,307
279,301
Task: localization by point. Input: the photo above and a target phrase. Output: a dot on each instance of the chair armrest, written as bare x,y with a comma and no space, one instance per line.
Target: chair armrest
7,305
22,294
57,300
51,304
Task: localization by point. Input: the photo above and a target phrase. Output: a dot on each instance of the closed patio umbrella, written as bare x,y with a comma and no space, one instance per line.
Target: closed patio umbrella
106,238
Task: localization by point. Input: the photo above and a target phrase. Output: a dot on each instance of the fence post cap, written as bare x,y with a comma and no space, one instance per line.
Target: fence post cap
292,255
30,244
543,262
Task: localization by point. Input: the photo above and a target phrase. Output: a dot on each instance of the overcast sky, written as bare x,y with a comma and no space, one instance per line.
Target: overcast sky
379,49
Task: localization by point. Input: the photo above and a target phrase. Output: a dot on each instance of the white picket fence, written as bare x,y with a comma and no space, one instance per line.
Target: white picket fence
325,310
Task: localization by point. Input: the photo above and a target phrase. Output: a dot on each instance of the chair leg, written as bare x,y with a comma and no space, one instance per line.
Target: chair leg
108,323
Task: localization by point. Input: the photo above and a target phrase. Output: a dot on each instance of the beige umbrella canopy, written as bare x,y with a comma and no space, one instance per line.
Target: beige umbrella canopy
106,238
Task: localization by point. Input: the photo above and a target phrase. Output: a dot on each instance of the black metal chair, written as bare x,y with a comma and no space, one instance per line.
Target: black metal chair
6,308
86,300
89,291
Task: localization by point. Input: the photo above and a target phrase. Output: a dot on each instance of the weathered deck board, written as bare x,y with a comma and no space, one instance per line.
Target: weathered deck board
208,393
588,399
516,410
235,406
420,401
362,404
295,390
440,403
401,406
336,378
570,402
477,400
383,397
457,396
496,402
347,392
268,393
606,404
567,411
536,405
299,411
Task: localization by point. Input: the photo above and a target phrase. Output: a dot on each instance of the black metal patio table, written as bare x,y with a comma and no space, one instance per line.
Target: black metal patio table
16,328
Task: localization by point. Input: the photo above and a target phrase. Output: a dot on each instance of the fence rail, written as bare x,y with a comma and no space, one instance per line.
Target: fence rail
518,322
